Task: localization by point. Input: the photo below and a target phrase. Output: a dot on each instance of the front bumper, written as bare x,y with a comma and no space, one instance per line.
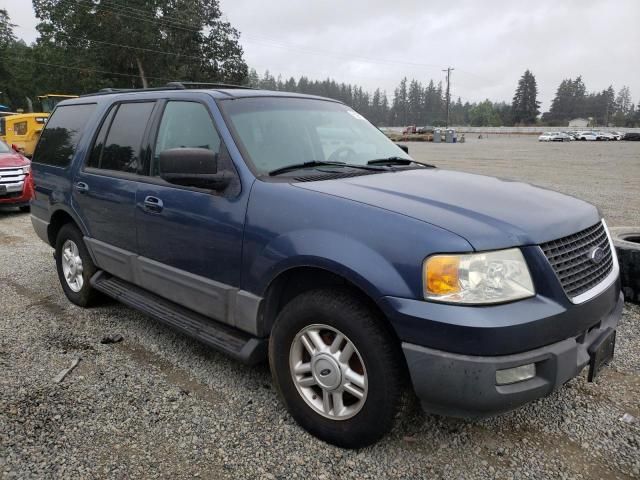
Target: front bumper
17,191
465,385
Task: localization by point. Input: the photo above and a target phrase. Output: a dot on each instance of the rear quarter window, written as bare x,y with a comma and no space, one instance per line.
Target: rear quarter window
60,137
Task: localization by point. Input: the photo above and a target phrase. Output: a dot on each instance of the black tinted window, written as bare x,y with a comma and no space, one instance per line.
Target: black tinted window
61,135
185,125
121,149
98,144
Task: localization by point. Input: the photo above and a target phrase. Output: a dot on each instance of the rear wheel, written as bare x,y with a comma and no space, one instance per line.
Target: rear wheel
337,368
74,265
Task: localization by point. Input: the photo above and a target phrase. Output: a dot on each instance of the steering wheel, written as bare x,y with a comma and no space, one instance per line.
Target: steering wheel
342,154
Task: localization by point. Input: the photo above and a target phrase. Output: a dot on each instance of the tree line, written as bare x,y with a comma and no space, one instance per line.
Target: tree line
86,45
415,103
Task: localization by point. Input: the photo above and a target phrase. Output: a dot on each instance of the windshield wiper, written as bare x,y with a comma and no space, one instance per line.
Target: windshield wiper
397,161
315,163
298,166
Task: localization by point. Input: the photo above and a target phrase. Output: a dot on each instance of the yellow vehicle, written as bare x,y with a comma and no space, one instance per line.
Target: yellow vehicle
22,130
50,100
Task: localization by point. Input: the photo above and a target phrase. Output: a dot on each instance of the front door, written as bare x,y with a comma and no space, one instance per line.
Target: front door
190,239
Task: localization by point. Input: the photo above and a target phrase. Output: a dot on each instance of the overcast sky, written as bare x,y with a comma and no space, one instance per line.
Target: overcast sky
490,43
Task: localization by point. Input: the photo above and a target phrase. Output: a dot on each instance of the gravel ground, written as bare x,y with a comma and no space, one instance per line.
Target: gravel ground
159,405
606,174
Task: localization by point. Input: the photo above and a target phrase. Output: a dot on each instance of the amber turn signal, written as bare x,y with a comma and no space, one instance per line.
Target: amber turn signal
441,275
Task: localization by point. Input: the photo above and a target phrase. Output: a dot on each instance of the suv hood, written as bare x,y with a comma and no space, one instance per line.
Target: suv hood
490,213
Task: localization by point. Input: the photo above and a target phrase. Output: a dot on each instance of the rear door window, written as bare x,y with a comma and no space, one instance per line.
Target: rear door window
60,137
119,142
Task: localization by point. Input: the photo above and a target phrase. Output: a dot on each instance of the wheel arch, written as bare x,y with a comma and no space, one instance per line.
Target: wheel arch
59,218
294,281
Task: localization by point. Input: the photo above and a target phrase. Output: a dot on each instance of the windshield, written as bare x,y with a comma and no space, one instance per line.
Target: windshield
4,148
277,132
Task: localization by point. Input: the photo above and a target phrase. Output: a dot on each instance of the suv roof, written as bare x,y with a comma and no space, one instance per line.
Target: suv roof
217,90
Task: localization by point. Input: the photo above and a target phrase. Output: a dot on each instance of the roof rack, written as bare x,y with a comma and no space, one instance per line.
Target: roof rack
186,85
169,86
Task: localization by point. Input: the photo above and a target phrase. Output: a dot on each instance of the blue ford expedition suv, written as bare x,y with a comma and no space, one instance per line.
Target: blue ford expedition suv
286,227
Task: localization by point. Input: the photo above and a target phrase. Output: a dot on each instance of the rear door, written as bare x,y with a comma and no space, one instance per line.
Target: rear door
104,190
52,161
190,239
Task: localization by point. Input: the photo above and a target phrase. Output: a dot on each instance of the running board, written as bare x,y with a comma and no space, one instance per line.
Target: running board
231,341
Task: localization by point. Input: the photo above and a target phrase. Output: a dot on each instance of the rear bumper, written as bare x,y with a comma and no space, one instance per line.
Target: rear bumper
465,385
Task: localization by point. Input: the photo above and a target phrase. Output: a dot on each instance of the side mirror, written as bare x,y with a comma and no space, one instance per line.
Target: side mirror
404,148
193,167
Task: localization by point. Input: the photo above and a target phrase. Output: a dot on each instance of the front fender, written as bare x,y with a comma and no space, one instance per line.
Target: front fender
379,251
347,257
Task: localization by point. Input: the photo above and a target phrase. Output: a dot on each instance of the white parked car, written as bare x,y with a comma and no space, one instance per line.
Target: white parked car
554,137
588,136
604,136
618,135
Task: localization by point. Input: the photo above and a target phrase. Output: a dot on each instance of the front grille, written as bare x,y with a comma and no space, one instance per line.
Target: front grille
570,258
11,175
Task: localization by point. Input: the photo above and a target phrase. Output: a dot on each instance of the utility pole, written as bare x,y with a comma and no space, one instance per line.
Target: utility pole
448,70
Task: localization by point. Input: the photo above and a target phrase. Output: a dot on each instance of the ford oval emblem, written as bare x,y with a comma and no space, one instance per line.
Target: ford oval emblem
596,254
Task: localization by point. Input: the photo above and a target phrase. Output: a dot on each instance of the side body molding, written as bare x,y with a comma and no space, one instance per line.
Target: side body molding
221,302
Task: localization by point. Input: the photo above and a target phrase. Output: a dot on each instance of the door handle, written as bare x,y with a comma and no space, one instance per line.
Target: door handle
153,204
82,187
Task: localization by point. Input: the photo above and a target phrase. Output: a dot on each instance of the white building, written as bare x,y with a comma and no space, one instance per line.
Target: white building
579,122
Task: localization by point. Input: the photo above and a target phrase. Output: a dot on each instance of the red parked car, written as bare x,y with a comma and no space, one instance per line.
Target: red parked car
16,182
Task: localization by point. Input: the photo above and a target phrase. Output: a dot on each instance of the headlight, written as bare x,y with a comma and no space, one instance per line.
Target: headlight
477,278
26,169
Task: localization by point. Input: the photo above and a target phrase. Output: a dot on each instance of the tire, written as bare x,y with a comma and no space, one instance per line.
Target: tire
377,355
627,243
85,295
25,208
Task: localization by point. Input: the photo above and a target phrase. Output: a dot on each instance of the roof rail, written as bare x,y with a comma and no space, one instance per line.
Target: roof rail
168,86
111,91
186,85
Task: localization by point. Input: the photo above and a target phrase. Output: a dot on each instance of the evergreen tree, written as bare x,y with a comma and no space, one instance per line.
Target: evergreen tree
525,106
399,110
624,108
6,40
570,102
253,79
414,101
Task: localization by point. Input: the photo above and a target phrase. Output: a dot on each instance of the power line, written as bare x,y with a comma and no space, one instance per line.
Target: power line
144,18
164,52
264,40
84,69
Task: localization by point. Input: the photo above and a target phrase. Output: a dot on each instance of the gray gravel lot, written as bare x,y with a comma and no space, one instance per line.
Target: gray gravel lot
606,174
159,405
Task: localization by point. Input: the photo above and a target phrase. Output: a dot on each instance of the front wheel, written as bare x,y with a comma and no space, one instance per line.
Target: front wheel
338,369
